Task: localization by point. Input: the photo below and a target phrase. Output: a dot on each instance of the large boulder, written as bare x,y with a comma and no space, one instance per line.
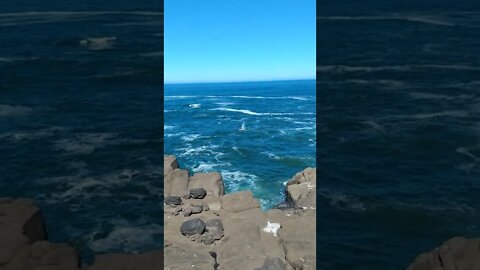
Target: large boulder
21,223
301,189
239,201
192,227
46,256
152,260
458,253
176,183
212,183
170,163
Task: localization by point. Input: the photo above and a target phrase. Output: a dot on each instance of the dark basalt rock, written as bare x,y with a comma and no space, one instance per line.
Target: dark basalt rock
198,193
173,200
192,227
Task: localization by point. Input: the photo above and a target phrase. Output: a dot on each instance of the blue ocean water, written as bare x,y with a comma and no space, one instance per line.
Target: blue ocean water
399,130
80,119
257,134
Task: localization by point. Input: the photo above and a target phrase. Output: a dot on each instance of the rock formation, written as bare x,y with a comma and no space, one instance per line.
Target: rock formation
458,253
204,229
24,245
229,231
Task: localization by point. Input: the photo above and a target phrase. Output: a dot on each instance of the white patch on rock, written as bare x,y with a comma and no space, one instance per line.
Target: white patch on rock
272,228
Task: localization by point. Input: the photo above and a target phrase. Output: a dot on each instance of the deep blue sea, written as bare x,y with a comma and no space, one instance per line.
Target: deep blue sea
257,134
398,85
80,119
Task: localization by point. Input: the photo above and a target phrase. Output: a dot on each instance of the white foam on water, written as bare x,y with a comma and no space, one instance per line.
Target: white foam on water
419,18
467,151
37,17
192,151
84,143
224,103
204,167
190,137
195,105
98,43
344,202
249,112
178,97
271,155
24,136
243,127
343,68
303,98
236,179
166,127
13,110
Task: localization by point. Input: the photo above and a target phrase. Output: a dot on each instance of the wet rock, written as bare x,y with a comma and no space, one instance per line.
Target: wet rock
173,200
192,227
239,201
211,182
272,263
458,253
215,228
198,193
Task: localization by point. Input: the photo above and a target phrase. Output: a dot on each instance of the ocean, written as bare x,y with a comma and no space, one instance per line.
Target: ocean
398,88
257,134
81,119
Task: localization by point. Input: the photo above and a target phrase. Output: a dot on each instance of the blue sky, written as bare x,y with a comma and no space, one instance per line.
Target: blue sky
239,40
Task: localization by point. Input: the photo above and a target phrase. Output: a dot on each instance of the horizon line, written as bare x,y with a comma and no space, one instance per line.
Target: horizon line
247,81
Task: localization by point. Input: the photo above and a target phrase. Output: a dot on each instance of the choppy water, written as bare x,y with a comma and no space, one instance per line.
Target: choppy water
80,119
399,130
258,135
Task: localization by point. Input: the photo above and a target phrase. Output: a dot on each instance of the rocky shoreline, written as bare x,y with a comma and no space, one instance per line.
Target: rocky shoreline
24,245
208,229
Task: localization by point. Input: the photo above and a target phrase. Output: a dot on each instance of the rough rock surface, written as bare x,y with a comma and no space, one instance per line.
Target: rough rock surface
24,245
212,182
198,193
192,226
21,224
458,253
239,201
176,183
152,260
173,200
236,235
170,163
301,189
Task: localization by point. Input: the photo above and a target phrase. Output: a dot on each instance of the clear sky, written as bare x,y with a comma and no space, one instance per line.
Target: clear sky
239,40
